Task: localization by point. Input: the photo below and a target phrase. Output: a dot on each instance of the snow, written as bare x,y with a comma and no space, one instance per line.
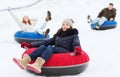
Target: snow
101,46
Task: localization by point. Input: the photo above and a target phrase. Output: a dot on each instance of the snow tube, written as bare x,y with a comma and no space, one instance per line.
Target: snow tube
105,25
63,63
29,37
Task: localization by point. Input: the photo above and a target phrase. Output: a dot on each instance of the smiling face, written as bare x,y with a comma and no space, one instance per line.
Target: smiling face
26,19
65,26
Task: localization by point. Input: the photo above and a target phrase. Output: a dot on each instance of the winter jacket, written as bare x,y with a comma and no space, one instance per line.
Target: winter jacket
108,13
67,42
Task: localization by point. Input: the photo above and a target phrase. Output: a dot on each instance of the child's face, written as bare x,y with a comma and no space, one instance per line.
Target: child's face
65,26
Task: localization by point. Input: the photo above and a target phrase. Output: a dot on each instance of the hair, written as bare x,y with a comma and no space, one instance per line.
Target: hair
29,22
111,4
60,32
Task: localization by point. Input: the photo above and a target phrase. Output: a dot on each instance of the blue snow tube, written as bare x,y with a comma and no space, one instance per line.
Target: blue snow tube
105,25
29,37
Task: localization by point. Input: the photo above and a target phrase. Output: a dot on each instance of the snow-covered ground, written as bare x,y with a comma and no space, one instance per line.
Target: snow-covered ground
101,46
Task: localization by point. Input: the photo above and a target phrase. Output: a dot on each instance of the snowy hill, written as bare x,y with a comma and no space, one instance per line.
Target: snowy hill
101,46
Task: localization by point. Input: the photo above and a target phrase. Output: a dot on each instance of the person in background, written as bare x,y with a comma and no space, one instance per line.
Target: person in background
32,25
65,40
108,13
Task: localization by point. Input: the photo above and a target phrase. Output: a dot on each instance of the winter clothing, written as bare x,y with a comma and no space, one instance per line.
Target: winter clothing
46,32
22,63
107,13
48,18
103,16
78,50
43,52
99,21
25,44
40,29
36,66
68,21
89,20
34,27
24,27
65,41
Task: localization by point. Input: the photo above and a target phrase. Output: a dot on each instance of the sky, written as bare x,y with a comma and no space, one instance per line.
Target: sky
101,46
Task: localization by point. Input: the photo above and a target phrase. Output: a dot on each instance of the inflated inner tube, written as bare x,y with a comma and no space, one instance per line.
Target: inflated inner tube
63,63
29,37
105,25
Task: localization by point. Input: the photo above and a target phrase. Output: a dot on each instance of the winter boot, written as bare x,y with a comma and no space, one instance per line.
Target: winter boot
48,18
36,66
97,26
46,32
89,20
22,63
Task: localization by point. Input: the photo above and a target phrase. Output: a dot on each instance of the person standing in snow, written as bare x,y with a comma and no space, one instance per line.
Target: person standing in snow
65,40
32,25
108,13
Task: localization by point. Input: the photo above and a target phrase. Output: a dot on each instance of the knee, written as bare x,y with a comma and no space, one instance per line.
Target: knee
49,47
43,46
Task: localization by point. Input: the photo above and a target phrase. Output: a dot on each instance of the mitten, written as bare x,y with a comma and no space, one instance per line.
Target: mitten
78,50
25,44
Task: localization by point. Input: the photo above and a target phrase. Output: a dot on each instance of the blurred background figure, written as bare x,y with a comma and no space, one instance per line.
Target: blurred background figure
107,13
29,25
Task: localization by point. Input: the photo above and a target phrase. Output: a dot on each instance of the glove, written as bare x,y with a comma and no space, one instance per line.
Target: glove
25,44
78,50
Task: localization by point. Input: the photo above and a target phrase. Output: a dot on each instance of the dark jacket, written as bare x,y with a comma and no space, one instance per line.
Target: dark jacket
108,13
66,41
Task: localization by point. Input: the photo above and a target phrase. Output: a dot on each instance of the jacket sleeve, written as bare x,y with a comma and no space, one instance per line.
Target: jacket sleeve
114,14
76,42
16,19
44,42
101,13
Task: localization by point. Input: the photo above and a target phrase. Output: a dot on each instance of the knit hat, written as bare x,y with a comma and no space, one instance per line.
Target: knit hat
68,21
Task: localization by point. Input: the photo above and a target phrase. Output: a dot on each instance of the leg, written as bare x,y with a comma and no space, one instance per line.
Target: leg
37,65
39,29
95,21
48,18
47,53
102,20
37,52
